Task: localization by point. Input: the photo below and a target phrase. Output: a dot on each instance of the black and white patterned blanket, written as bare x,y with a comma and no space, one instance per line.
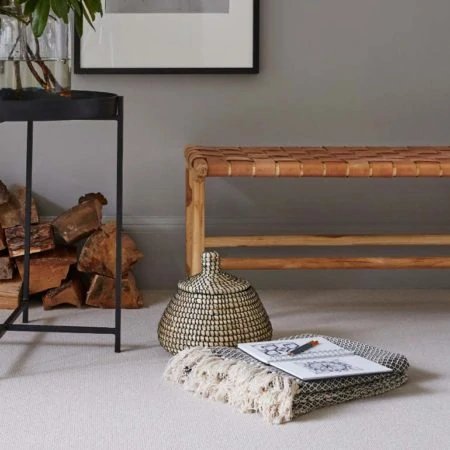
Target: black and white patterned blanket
214,372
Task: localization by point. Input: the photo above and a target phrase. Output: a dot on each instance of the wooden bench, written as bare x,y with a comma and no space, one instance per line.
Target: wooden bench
343,162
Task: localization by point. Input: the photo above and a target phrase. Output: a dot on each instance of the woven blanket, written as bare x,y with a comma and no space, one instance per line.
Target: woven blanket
230,375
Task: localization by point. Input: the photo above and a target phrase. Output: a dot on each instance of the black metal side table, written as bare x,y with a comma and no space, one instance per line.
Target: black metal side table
34,106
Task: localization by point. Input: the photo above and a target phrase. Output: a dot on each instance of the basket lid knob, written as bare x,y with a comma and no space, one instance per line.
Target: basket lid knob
212,279
210,262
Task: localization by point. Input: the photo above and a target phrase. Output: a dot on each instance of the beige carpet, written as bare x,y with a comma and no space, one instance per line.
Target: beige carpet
66,391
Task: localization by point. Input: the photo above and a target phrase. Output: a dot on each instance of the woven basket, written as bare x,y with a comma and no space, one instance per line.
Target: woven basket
213,309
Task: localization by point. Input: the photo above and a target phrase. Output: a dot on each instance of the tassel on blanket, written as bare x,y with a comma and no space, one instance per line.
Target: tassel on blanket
249,387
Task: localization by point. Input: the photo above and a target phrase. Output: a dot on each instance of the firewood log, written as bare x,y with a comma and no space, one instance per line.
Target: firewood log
2,239
70,292
80,221
97,195
10,291
98,254
101,293
12,212
48,269
6,268
4,193
41,239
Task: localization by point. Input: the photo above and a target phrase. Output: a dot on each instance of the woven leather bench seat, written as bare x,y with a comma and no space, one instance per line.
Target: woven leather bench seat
344,162
322,161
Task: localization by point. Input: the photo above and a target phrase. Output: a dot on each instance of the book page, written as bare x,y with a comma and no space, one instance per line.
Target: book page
315,368
278,350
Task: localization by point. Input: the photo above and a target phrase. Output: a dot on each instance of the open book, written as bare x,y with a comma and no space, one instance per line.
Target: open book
325,360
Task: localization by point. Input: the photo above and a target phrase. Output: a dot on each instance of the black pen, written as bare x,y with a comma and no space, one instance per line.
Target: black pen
303,348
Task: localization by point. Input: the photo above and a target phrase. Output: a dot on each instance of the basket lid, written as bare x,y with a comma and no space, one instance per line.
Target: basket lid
212,279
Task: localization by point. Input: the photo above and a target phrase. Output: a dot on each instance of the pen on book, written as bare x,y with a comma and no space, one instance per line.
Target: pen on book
303,348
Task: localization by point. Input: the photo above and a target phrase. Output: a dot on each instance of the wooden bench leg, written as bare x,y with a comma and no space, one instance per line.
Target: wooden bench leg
195,220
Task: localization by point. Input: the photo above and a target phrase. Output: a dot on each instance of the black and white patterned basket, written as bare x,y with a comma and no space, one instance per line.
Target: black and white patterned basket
212,309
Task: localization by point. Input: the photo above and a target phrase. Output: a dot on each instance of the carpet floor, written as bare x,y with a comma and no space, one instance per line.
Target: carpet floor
69,391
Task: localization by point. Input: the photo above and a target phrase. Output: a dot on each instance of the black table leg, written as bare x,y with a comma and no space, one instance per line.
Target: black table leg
119,212
26,259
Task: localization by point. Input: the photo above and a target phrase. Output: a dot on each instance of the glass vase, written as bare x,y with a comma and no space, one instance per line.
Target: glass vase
28,63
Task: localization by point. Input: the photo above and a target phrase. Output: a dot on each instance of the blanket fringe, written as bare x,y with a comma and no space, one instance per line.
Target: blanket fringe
249,387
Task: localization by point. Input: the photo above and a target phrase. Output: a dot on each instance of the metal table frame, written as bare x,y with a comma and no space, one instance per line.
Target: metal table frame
80,105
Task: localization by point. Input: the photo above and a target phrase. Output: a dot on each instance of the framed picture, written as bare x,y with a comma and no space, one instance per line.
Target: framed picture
171,36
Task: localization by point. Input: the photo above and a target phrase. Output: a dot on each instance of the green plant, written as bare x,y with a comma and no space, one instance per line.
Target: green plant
38,12
25,48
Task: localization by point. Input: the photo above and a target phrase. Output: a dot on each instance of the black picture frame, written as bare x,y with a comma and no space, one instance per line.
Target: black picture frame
253,69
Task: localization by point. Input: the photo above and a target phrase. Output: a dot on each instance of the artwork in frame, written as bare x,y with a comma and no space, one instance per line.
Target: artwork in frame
171,36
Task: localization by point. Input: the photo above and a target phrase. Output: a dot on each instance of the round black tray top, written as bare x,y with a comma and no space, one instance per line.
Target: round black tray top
38,105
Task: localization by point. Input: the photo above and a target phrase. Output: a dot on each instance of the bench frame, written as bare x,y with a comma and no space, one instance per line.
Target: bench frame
198,169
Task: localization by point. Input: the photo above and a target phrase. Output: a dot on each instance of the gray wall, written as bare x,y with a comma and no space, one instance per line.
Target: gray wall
332,73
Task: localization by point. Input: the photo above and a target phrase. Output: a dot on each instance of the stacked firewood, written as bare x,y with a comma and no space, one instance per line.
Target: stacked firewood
72,258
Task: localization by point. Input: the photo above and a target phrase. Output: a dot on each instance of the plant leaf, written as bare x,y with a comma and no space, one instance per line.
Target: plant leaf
79,24
29,7
98,6
75,5
40,17
94,7
60,8
86,16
